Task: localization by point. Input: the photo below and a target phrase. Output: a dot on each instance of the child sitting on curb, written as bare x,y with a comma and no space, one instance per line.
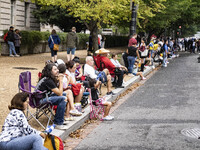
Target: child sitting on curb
135,71
95,96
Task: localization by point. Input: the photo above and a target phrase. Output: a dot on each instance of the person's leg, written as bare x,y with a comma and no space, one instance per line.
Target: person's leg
120,78
73,53
10,47
60,101
29,142
107,108
109,84
13,48
55,56
129,64
52,54
68,54
79,96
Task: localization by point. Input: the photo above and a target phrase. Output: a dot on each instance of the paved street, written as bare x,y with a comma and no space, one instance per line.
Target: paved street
153,116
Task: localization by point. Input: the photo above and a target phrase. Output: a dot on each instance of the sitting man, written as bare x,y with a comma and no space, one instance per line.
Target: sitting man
92,73
102,57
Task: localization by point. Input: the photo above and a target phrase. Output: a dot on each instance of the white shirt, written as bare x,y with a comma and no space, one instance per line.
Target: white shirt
71,74
115,62
16,125
89,71
65,82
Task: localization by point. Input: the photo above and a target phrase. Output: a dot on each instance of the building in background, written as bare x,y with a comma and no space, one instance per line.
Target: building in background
18,14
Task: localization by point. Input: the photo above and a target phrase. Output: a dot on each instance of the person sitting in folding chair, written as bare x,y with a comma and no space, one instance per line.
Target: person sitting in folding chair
114,71
95,96
93,74
17,134
49,79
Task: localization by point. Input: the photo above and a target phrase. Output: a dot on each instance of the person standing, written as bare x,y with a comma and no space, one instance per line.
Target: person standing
17,41
72,43
103,41
11,40
132,40
53,39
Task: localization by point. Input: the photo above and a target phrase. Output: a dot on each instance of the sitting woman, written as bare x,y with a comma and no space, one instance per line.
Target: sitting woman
135,71
117,64
70,106
49,80
17,134
95,96
70,71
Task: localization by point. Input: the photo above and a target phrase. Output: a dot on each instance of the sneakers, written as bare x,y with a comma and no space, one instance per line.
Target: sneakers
75,112
11,55
111,116
69,119
108,118
144,78
110,93
17,55
119,87
61,127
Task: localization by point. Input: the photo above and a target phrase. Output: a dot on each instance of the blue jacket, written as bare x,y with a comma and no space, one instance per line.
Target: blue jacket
56,40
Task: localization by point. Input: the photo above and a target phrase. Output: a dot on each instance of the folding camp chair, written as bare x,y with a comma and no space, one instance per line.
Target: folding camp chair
35,98
96,108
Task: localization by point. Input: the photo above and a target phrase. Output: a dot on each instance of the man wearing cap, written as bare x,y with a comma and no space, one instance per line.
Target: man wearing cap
102,56
11,40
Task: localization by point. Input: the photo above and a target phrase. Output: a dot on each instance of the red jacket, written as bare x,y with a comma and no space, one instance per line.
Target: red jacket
108,64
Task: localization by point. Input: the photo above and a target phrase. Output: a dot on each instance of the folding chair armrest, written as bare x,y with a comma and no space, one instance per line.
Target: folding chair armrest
33,86
23,90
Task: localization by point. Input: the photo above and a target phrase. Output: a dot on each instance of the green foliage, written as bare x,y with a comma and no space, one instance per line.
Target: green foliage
45,35
83,38
31,38
62,36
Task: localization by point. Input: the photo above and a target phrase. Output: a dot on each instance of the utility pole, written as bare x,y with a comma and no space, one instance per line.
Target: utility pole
133,18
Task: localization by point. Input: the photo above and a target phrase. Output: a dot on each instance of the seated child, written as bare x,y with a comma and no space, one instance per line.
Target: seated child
135,71
95,96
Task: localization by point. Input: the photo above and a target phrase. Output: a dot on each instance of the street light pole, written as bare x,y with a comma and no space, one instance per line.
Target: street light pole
133,18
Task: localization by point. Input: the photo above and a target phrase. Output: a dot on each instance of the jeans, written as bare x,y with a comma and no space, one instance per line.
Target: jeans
164,59
53,53
72,50
61,106
131,62
11,48
28,142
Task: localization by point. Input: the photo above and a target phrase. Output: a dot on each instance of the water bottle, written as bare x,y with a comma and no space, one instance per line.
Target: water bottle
49,129
99,75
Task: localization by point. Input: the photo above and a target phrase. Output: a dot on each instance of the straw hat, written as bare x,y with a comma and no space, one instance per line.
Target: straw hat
102,51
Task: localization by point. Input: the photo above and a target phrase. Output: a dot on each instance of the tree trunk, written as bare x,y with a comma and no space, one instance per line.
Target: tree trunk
92,26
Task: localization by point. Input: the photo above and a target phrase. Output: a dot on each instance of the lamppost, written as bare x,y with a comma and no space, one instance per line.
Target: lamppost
133,18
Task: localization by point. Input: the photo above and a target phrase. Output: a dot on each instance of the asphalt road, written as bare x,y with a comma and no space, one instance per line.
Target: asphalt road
152,117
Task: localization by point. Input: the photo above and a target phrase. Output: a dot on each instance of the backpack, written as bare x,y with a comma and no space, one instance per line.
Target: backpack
5,37
53,142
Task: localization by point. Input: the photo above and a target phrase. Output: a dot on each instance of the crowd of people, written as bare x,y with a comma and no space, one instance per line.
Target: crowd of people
65,82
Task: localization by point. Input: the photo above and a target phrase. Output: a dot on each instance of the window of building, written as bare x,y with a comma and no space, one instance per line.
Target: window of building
12,11
26,20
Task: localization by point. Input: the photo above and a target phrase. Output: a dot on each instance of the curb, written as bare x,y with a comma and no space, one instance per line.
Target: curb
79,121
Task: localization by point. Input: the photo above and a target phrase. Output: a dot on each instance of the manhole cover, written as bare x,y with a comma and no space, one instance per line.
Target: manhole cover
191,132
25,68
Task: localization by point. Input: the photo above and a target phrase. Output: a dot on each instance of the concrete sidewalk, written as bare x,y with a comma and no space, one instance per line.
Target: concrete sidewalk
79,121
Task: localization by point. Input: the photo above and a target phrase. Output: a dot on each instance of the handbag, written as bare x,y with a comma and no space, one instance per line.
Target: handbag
55,46
144,53
53,142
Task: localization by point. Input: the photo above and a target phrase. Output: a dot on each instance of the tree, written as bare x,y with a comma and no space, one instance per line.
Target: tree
94,13
58,16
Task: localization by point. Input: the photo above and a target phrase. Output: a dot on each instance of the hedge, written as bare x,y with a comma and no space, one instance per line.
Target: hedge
32,38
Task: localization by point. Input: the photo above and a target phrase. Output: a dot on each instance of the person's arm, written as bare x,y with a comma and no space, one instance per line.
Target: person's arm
80,73
59,91
137,54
